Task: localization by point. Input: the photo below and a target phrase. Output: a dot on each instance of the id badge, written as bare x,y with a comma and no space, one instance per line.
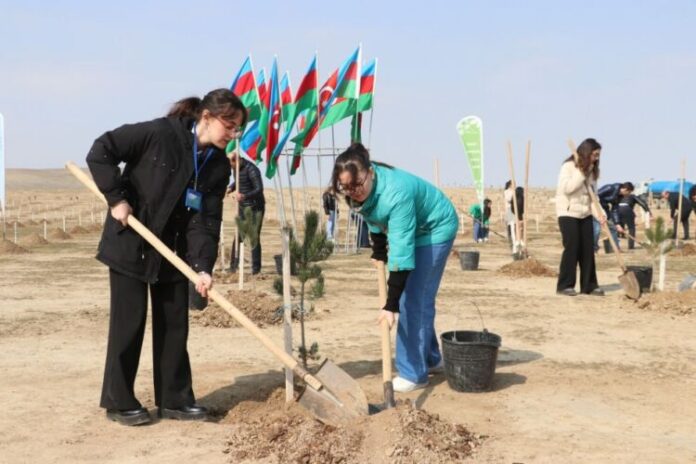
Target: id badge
194,199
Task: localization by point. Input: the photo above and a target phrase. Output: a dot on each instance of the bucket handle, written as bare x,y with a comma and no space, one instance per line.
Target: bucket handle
483,324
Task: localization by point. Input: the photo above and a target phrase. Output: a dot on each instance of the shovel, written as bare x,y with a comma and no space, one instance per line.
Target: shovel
627,279
331,394
386,341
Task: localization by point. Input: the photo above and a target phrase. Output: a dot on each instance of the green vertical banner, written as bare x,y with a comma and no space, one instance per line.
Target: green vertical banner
471,134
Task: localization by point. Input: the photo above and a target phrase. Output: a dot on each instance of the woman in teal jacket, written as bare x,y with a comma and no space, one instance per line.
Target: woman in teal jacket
417,224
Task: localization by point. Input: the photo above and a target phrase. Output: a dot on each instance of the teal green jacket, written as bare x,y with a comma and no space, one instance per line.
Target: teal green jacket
476,213
410,211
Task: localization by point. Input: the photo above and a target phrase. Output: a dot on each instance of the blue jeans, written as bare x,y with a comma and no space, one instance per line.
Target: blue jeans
480,231
416,342
597,231
331,225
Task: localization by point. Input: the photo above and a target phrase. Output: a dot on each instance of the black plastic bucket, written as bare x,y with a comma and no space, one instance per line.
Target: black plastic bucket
279,265
469,260
470,359
643,275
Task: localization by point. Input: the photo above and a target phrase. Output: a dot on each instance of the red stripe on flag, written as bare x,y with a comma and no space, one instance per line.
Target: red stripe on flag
367,84
244,84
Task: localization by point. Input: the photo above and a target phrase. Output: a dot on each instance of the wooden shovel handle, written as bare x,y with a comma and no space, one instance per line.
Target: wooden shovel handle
598,208
384,326
213,294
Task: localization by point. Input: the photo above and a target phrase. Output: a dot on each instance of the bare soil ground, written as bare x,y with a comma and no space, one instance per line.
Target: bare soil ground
583,379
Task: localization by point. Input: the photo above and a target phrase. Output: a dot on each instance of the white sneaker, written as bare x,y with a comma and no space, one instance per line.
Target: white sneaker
439,368
402,385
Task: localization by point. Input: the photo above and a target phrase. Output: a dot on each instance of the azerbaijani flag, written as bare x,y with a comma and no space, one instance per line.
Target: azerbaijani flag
244,86
367,89
252,142
270,120
305,99
287,105
304,138
342,103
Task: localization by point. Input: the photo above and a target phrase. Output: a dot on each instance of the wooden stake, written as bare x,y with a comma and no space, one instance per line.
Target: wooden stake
287,313
436,167
514,196
526,189
15,232
241,265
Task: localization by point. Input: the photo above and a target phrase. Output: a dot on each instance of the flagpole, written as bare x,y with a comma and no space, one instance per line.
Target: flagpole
319,132
304,186
292,196
372,110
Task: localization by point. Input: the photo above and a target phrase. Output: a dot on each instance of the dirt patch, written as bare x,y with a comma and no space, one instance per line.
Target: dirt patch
59,234
79,230
682,303
689,249
529,267
9,248
274,432
34,240
261,308
96,227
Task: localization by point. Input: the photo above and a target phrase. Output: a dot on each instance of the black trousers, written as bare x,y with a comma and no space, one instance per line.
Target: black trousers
628,221
255,252
172,369
577,249
685,225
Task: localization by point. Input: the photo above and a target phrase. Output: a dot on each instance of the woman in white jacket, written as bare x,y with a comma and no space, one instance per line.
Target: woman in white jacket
574,211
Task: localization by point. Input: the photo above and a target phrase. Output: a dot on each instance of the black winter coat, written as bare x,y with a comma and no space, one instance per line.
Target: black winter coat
158,168
251,186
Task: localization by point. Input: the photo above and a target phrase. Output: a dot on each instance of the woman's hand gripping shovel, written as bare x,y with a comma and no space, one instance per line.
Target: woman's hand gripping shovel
331,394
627,279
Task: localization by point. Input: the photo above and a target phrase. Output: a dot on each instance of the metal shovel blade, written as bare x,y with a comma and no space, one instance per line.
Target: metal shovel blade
630,285
340,401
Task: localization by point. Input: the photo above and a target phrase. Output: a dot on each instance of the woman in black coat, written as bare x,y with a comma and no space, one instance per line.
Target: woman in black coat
173,180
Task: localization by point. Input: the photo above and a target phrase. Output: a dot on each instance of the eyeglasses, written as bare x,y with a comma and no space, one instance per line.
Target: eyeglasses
353,187
229,126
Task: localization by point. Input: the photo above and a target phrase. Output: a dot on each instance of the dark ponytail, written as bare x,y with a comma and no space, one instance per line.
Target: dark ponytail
222,103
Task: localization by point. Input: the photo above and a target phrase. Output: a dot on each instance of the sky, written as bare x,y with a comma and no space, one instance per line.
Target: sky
545,71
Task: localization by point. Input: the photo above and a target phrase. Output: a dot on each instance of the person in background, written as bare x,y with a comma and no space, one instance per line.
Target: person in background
174,178
512,224
625,217
250,194
673,199
328,200
608,196
481,220
413,226
574,211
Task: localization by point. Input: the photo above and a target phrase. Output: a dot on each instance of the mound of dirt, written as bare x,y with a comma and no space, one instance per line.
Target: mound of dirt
59,234
34,240
682,303
79,230
689,249
271,431
96,227
261,308
529,267
9,248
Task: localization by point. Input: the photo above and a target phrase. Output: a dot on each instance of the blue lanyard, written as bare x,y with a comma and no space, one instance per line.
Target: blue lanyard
196,169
